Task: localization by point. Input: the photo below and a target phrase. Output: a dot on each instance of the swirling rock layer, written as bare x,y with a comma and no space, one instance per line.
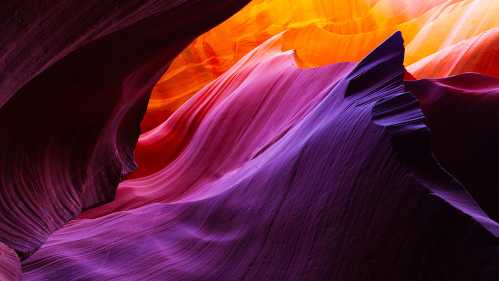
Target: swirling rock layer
347,190
79,77
281,145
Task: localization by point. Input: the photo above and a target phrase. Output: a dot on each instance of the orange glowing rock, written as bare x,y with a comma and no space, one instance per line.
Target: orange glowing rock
477,54
324,32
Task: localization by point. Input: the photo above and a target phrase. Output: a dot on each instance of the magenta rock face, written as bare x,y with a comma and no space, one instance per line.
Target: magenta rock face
240,122
348,190
10,266
80,73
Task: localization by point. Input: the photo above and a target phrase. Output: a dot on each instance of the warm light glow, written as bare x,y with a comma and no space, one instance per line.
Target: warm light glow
324,32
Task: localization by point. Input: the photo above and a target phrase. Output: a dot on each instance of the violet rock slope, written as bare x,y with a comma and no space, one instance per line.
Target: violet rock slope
350,191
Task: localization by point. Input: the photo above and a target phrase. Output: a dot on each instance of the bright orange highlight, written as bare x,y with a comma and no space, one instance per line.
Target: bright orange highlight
442,37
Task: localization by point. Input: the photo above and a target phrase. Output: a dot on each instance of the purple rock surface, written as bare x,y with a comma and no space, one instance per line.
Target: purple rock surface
351,191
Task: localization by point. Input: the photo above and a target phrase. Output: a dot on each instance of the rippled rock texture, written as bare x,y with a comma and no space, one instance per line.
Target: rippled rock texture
76,77
287,143
342,187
